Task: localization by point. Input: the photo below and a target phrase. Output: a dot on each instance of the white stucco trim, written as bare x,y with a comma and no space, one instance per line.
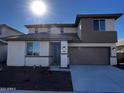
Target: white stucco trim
113,61
16,53
64,54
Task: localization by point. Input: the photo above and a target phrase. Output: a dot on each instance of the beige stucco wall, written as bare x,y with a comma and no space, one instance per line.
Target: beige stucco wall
44,48
42,29
37,61
16,52
31,30
70,30
42,59
55,30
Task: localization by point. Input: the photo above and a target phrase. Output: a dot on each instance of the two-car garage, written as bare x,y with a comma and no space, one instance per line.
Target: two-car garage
89,55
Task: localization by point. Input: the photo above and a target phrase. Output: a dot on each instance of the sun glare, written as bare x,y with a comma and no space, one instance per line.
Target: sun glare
38,7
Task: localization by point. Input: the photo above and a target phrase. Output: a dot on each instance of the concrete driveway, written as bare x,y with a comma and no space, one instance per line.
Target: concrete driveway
97,79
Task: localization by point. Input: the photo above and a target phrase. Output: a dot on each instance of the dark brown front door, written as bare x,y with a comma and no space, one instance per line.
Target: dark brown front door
56,53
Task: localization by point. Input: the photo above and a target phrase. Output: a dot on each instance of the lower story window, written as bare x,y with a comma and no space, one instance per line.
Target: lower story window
33,48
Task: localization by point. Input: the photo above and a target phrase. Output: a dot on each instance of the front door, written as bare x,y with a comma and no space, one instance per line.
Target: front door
56,53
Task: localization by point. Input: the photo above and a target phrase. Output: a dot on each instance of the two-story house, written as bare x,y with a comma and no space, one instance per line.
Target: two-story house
6,31
91,40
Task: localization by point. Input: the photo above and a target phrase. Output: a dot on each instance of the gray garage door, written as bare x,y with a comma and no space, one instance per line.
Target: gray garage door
89,56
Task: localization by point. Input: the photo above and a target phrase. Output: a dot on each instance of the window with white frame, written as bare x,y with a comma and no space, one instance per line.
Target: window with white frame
99,25
33,48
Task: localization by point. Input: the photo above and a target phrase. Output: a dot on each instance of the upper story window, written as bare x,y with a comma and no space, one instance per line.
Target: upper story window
99,25
33,48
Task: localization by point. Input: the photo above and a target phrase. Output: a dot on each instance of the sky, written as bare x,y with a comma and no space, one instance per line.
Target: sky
17,13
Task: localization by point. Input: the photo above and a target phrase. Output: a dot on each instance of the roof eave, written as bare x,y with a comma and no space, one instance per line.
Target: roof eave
78,17
114,16
50,25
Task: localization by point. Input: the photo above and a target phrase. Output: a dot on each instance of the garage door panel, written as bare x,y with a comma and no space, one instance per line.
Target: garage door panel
96,56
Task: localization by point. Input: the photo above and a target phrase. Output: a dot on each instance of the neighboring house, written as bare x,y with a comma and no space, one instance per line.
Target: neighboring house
120,46
3,51
5,31
120,51
91,40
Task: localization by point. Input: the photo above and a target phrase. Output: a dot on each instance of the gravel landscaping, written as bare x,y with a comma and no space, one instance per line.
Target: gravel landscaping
35,78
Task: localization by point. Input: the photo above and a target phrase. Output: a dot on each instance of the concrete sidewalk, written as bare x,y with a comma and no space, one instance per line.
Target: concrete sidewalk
98,79
23,91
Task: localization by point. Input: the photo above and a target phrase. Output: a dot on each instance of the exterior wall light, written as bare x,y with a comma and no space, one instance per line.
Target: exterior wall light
114,48
64,49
